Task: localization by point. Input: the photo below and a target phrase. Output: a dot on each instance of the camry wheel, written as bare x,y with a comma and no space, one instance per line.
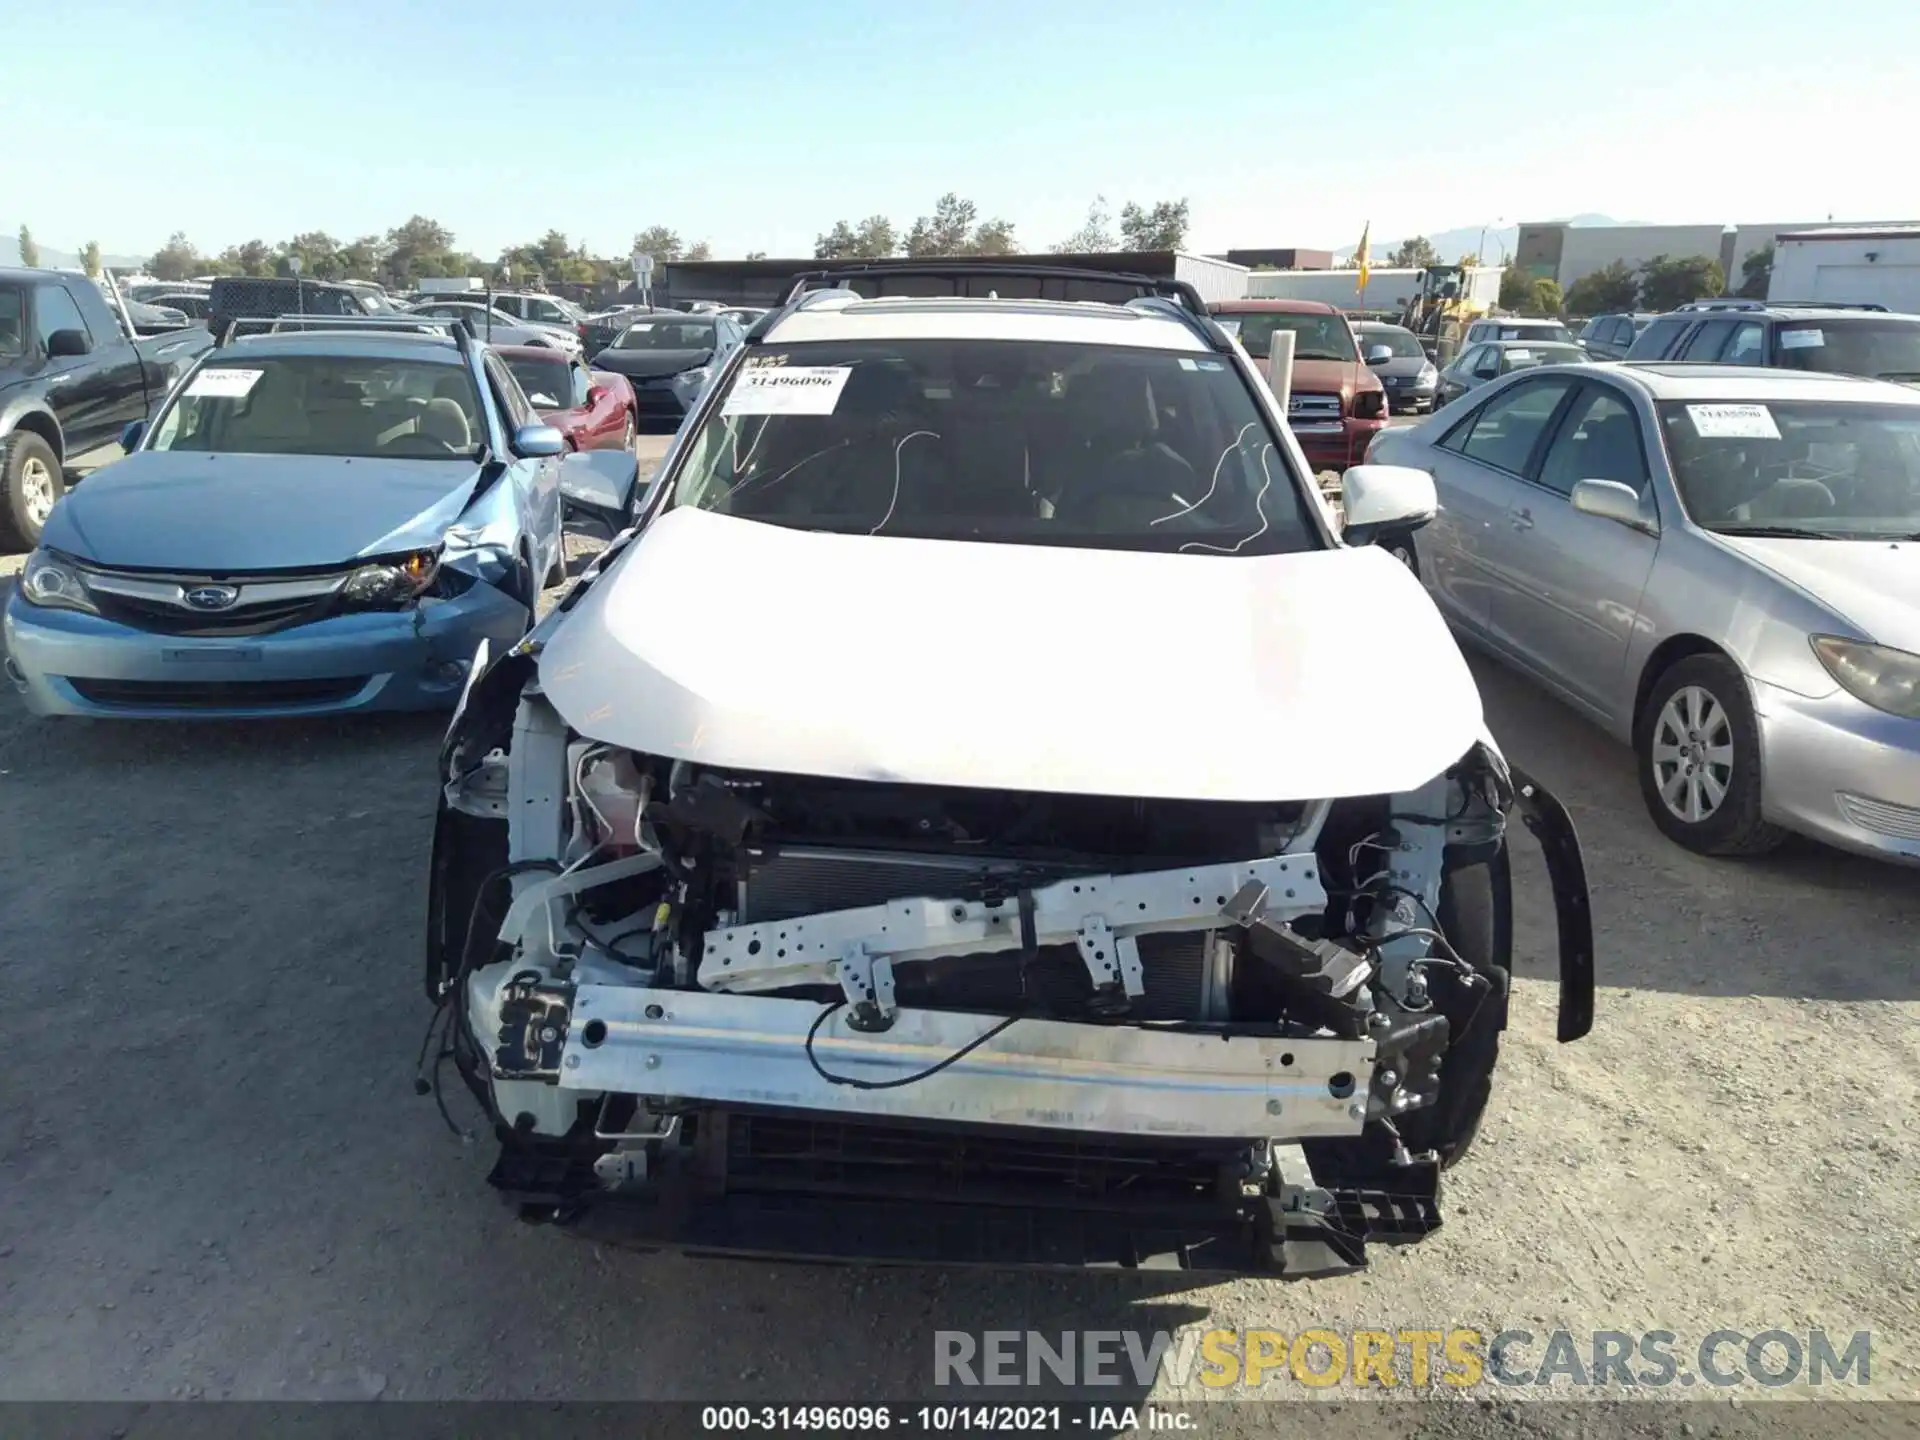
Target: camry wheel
1698,744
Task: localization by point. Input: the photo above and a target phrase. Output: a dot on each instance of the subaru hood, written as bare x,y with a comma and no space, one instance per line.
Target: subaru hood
743,645
226,513
1875,584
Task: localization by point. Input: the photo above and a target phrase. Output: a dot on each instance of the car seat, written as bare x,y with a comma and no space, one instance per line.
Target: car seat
1119,476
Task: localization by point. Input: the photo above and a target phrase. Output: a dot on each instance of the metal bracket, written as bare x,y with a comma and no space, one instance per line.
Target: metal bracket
1415,866
867,982
1108,956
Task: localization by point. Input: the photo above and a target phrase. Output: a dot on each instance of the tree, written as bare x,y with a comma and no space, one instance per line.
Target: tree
699,250
255,257
1667,284
363,259
1516,288
1756,273
1164,227
1414,254
659,242
29,252
318,253
871,239
1546,297
419,248
90,259
994,237
1607,291
1095,233
756,254
176,260
948,231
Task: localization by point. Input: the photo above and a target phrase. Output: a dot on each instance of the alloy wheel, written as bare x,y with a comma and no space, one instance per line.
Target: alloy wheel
37,490
1692,754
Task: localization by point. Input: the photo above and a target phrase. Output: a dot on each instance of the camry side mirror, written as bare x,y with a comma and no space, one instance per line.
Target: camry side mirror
535,441
1382,497
1611,500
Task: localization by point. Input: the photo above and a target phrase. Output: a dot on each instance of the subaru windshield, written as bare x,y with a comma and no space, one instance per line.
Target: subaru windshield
1103,447
1823,470
349,405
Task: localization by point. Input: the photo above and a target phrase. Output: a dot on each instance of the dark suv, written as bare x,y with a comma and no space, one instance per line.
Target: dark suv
1844,340
1610,337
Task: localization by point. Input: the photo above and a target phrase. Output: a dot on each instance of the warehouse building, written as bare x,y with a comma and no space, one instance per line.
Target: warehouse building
1388,288
766,282
1563,252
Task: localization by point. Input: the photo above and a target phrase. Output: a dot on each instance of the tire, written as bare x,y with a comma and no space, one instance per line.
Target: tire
1696,746
31,480
1476,915
1401,548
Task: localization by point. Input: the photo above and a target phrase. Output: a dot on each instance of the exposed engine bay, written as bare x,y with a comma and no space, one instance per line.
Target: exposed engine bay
1056,1028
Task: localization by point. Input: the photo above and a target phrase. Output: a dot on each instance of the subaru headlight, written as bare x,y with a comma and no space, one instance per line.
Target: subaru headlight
1877,675
50,581
391,582
695,377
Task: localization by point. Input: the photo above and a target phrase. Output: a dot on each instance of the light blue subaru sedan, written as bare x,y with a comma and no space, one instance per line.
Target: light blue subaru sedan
315,522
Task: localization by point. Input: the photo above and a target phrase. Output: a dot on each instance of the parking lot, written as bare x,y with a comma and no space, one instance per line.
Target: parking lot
221,1183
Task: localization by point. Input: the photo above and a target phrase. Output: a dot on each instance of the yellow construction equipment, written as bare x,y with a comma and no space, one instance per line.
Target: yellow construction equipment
1440,310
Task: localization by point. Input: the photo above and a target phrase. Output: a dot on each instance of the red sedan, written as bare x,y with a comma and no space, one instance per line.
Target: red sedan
594,409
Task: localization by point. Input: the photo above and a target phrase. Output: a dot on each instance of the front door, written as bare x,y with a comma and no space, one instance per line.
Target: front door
1575,580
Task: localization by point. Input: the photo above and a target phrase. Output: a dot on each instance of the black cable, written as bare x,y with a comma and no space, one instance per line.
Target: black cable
930,1071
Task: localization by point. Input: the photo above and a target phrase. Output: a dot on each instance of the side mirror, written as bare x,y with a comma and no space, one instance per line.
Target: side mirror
600,485
595,394
130,435
1379,354
535,441
64,343
1610,500
1385,497
1487,372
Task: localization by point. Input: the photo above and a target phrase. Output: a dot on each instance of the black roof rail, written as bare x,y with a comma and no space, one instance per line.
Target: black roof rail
1724,303
456,330
1179,297
1827,305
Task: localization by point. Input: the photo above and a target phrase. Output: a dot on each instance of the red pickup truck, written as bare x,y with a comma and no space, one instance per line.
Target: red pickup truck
1338,405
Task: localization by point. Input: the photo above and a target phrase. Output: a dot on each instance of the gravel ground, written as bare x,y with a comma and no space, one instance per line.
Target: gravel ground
220,1183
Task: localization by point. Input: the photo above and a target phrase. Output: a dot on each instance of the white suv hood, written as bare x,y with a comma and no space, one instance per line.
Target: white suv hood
749,646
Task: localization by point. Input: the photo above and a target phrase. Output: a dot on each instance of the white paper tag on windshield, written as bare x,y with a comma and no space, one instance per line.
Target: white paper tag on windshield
1519,354
1733,422
647,326
1802,339
787,390
227,384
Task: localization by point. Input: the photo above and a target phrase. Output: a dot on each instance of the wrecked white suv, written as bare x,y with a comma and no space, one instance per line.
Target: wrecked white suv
980,811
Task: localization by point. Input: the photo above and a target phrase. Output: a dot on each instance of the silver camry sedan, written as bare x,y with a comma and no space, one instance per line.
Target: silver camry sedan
1720,565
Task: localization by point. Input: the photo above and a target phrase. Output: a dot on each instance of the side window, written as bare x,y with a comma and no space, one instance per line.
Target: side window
1619,332
1486,363
1706,342
1748,346
507,394
1657,339
1599,440
581,384
1467,359
1506,431
53,309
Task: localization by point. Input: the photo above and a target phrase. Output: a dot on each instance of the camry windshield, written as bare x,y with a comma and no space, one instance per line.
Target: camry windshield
666,335
359,406
1317,336
1819,469
1401,342
1067,444
548,383
1886,349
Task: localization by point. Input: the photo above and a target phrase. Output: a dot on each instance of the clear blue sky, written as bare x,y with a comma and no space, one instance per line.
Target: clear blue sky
755,125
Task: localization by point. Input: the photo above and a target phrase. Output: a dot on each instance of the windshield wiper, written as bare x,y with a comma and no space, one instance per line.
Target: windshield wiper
1778,532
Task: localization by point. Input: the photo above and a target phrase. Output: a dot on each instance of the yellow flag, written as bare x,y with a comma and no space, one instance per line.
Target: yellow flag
1361,259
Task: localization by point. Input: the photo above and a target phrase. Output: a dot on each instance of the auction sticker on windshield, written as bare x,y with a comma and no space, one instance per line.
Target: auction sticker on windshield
1733,422
787,390
222,383
1802,339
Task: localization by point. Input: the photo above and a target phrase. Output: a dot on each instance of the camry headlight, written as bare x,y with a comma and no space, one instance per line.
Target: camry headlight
48,580
391,582
1427,373
699,375
1878,675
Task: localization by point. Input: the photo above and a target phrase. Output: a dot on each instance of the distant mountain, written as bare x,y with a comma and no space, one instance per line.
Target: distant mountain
57,259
